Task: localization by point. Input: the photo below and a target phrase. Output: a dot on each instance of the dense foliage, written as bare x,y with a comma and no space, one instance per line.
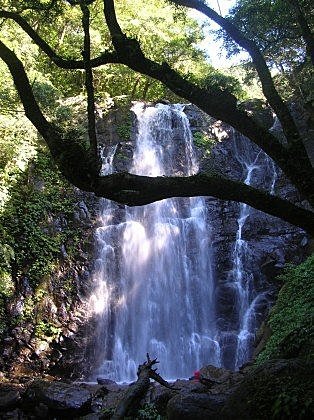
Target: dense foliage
39,195
164,33
291,319
37,228
273,27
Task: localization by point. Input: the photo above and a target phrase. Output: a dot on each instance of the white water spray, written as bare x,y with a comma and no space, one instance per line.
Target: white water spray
159,296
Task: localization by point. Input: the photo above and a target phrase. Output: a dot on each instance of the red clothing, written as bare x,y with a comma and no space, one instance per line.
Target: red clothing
197,375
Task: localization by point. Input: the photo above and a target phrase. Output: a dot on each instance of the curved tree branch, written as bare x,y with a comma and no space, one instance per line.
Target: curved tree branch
219,104
137,190
268,86
105,58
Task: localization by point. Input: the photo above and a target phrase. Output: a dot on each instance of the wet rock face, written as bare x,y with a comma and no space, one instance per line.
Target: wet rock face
269,242
56,338
59,396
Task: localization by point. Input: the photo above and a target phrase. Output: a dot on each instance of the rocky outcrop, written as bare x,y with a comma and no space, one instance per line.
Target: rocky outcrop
269,242
48,324
277,389
59,396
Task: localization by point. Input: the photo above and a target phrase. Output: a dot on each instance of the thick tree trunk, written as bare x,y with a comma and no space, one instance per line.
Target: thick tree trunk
89,83
75,164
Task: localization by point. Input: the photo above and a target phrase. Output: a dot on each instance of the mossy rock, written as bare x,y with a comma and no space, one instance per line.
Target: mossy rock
291,319
278,389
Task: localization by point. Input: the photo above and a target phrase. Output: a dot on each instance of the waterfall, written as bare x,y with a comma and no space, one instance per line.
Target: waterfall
249,298
156,288
154,269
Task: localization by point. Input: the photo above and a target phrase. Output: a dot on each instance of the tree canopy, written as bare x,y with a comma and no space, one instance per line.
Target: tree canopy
278,32
138,47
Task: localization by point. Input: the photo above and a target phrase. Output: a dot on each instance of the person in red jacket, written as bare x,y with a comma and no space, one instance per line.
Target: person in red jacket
196,376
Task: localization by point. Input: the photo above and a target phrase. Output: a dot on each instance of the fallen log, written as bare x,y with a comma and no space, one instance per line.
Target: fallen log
138,390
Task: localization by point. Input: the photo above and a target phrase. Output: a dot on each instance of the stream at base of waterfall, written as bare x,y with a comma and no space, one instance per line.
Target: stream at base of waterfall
155,267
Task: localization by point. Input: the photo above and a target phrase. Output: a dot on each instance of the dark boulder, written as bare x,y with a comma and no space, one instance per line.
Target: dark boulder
9,396
59,396
195,407
279,388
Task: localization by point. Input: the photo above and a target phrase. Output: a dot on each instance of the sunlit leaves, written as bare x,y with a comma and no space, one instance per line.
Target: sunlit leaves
273,27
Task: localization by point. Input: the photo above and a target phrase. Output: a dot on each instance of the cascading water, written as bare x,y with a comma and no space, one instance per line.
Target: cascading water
156,292
155,267
249,300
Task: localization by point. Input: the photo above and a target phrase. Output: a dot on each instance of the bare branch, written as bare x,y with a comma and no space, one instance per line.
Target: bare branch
138,390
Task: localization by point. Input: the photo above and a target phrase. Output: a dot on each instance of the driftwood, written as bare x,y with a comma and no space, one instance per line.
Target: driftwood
138,390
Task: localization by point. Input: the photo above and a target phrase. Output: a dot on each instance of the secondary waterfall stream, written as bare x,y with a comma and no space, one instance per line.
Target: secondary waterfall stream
249,298
155,268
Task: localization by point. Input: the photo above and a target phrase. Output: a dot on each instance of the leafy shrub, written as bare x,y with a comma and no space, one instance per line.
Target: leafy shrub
203,141
291,319
46,329
148,411
223,82
124,128
6,290
63,113
278,389
45,93
27,219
